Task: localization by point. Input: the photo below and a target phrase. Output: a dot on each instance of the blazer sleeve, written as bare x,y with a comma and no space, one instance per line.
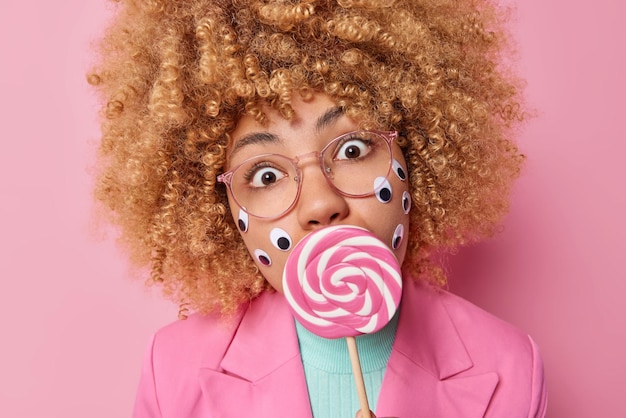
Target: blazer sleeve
146,402
539,393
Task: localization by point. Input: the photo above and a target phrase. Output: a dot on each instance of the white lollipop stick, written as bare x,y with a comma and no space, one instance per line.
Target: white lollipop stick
358,376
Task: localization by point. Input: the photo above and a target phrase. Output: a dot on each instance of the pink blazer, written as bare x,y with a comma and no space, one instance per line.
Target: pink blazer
449,359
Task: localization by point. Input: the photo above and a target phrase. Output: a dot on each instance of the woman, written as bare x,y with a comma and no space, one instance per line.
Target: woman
214,108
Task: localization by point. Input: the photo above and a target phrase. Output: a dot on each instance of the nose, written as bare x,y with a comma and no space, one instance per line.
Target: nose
319,204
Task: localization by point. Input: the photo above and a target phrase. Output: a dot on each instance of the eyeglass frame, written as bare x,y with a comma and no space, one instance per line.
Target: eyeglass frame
226,177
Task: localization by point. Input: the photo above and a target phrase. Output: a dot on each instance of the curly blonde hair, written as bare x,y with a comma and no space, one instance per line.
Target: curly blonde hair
176,75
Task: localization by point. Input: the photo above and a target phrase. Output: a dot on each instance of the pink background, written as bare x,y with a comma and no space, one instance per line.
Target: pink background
74,323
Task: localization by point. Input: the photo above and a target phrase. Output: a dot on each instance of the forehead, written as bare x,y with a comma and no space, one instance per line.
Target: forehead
312,118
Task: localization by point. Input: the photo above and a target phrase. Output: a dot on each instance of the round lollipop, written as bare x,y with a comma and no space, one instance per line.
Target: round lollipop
342,281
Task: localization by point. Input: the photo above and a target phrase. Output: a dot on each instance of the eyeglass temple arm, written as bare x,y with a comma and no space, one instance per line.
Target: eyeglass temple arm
389,135
225,178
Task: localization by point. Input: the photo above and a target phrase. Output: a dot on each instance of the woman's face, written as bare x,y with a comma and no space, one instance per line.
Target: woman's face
316,123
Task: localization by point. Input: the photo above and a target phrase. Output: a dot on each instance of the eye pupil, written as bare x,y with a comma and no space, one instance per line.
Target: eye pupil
268,178
353,152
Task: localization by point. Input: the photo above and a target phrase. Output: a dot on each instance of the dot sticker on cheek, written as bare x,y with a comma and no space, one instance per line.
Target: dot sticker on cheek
397,168
281,239
398,235
406,202
242,223
262,257
382,188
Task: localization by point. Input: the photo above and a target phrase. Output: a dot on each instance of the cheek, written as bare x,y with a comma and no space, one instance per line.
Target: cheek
243,221
269,247
383,190
406,202
262,257
389,214
280,239
398,237
399,170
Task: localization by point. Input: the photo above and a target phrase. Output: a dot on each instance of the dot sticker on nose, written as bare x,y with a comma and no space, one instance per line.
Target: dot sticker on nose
406,202
399,170
262,257
382,189
242,223
281,239
398,235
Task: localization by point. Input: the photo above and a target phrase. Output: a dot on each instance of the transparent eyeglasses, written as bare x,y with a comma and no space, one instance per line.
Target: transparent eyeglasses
268,185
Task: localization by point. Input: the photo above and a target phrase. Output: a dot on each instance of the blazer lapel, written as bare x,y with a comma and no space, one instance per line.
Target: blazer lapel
261,372
429,373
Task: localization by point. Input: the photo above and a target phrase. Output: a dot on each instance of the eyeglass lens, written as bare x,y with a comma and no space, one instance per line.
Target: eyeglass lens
268,185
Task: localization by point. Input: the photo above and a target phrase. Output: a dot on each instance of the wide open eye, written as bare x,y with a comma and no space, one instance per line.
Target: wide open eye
353,148
264,176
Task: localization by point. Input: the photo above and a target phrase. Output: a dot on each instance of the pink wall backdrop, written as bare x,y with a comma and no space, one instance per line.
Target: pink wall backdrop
74,323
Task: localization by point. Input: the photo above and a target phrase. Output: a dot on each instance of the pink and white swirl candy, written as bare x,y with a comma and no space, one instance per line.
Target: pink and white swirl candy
342,281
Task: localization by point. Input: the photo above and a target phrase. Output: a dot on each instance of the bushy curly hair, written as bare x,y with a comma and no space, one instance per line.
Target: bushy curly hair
176,75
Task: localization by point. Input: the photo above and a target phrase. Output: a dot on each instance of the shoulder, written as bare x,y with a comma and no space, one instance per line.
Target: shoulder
197,341
169,383
460,328
494,344
476,326
480,331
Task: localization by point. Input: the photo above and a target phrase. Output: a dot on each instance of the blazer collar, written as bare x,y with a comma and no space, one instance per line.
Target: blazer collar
261,372
429,374
427,335
430,364
252,355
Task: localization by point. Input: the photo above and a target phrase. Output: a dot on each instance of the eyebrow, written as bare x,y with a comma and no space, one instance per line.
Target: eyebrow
328,118
254,138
